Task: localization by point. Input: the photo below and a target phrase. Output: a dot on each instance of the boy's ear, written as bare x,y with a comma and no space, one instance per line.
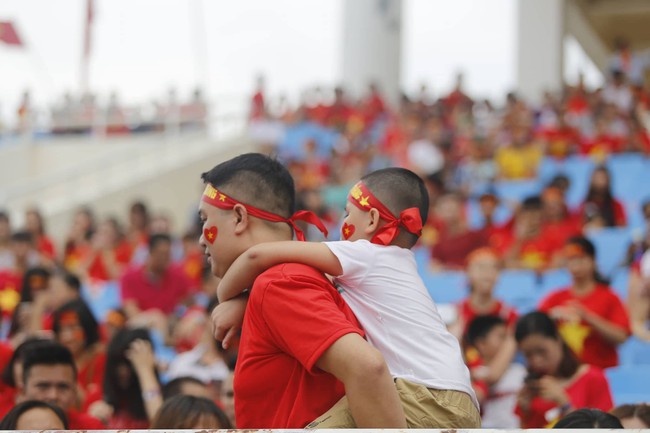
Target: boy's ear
241,218
373,222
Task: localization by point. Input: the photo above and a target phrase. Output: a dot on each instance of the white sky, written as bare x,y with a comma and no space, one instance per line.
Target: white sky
143,47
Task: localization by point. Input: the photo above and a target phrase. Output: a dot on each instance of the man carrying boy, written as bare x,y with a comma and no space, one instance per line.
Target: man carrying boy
301,347
376,272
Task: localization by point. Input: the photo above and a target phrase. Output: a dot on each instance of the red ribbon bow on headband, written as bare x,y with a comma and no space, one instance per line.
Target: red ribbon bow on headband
216,198
409,218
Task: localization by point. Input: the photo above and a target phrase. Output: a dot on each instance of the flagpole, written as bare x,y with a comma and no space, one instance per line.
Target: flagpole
199,44
85,55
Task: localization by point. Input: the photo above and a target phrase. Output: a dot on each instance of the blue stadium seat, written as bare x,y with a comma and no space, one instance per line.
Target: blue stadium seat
627,172
447,287
517,288
611,245
517,191
620,281
635,352
634,213
552,280
102,297
422,258
577,168
629,383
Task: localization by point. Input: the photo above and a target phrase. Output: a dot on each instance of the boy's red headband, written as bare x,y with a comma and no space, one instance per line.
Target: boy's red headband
409,218
216,198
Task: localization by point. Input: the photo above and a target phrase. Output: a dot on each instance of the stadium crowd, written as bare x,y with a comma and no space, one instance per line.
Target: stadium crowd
111,328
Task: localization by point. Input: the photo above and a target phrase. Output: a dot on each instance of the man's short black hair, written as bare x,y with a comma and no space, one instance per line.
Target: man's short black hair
399,189
481,326
158,238
47,353
256,180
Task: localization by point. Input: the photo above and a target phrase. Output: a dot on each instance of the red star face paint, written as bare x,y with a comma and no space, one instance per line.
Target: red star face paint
347,230
210,234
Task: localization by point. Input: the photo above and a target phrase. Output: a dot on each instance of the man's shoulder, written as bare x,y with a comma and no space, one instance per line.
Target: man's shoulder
289,272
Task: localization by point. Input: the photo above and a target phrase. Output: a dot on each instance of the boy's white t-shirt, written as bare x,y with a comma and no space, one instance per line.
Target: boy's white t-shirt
499,408
382,286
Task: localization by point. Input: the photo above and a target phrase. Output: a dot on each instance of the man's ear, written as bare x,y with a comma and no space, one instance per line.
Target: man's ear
373,221
241,218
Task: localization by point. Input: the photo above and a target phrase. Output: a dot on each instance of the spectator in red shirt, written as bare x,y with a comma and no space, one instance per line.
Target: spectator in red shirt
49,374
591,318
258,107
559,225
373,107
107,254
524,246
557,382
83,227
602,144
482,274
158,284
36,226
600,208
339,112
455,239
12,375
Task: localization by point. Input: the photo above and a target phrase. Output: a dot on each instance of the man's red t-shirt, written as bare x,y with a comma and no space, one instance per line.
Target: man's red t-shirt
163,294
590,390
585,341
293,316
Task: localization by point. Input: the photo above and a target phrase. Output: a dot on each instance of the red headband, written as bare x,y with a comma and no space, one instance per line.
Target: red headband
216,198
409,218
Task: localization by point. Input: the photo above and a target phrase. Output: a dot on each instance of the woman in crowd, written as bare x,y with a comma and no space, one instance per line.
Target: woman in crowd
75,327
557,383
600,208
36,416
36,226
482,275
591,317
190,412
107,254
82,230
34,286
132,394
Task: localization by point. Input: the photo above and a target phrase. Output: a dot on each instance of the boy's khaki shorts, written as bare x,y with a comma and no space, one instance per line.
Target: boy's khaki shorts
423,407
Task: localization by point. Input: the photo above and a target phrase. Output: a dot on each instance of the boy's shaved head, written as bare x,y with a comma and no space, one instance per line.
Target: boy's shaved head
399,189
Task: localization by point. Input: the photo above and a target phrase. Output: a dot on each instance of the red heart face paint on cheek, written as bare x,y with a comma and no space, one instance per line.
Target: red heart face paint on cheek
347,230
210,234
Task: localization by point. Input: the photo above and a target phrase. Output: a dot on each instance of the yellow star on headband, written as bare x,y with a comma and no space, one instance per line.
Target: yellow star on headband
364,201
222,197
355,192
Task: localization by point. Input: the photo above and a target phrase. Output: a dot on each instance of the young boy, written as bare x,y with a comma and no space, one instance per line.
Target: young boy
376,273
497,390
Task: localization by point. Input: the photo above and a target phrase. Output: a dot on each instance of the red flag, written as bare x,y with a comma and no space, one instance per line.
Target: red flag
88,28
8,34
